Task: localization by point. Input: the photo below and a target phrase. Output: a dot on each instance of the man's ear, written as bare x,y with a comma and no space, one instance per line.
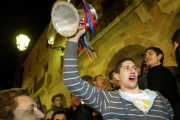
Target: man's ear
176,44
116,76
94,82
160,56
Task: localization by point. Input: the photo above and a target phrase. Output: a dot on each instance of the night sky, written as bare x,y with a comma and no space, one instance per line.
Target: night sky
19,17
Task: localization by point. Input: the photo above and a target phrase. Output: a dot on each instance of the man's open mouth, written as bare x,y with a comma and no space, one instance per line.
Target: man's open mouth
132,78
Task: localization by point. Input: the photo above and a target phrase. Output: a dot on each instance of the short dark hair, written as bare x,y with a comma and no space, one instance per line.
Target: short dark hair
96,77
176,36
8,102
110,74
119,64
53,98
157,51
58,112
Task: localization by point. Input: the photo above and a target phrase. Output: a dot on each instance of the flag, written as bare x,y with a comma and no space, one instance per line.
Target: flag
39,104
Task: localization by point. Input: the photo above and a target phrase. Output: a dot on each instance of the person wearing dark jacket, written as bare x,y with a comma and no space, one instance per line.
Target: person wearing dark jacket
159,78
79,111
177,53
176,43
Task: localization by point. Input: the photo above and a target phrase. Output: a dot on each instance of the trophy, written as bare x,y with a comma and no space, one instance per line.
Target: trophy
66,18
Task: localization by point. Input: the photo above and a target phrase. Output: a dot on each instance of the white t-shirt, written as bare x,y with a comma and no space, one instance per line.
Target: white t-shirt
140,100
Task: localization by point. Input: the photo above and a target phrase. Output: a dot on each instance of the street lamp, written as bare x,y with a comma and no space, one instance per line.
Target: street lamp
22,43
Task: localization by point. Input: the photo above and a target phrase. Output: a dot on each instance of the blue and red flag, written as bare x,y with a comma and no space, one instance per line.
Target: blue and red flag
39,105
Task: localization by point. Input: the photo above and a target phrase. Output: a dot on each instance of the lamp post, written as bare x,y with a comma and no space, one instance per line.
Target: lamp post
22,43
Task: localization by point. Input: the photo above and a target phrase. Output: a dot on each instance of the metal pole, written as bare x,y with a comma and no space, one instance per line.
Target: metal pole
18,75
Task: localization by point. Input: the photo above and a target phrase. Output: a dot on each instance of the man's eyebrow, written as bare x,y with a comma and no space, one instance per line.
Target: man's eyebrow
150,52
125,66
134,65
32,105
129,66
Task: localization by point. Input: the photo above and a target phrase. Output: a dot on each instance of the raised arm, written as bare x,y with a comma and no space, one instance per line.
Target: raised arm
82,89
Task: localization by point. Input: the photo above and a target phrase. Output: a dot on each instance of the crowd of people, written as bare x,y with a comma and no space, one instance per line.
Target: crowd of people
151,92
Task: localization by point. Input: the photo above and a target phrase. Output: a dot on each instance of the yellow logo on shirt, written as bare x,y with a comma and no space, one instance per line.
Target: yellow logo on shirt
143,104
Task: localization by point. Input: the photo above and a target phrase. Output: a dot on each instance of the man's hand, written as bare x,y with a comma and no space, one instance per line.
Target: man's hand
78,34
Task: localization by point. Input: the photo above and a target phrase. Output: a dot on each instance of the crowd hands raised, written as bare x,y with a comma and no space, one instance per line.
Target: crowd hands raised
150,92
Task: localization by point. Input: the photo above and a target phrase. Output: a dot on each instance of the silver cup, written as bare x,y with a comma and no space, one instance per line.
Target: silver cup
66,18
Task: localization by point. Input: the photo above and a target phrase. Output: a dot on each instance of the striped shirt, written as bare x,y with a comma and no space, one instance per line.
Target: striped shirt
111,104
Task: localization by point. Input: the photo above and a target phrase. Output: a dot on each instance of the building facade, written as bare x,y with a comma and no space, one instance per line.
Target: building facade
125,28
